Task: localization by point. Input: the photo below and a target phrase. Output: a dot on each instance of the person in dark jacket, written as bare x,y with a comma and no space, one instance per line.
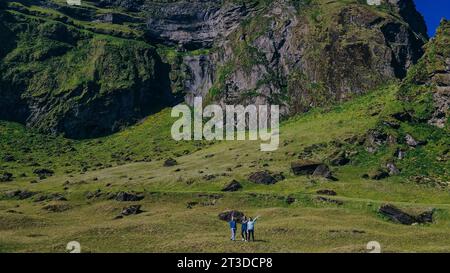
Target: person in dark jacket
244,229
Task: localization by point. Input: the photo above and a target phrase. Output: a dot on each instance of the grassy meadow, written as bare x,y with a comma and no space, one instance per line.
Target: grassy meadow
182,203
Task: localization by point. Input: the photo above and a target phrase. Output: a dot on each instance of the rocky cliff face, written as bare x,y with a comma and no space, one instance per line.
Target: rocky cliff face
59,79
307,56
87,71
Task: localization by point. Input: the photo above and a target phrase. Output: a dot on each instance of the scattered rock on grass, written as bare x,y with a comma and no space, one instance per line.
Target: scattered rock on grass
50,197
327,192
392,169
6,177
43,173
9,158
95,194
170,162
126,197
304,167
262,177
378,175
233,186
57,208
226,215
209,177
399,216
403,116
290,200
191,205
339,159
131,210
19,194
400,154
328,200
411,141
324,171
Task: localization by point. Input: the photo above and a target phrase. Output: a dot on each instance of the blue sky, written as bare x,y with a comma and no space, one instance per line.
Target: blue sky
433,11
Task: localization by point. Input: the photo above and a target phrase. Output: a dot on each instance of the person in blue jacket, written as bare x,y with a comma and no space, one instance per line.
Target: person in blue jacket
244,229
233,226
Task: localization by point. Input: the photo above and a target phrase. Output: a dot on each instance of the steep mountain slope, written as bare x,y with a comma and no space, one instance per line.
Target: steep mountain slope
58,78
89,71
427,88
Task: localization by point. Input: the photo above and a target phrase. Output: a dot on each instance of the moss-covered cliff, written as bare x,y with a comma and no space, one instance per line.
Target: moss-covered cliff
63,79
89,70
426,90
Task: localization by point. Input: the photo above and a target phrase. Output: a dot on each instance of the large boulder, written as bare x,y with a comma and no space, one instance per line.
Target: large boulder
378,174
263,177
131,210
127,197
43,173
170,162
304,167
6,177
392,169
327,192
323,171
50,197
329,200
232,186
399,216
226,215
19,194
57,208
339,159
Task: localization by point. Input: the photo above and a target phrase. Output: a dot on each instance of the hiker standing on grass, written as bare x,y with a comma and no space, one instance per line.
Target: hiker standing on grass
244,229
251,229
233,226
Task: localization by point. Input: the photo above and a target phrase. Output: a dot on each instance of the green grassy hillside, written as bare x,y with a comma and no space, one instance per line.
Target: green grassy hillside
169,224
384,147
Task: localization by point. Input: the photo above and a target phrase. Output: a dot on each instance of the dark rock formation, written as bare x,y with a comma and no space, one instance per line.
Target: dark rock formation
379,174
290,200
323,171
131,210
50,197
411,141
339,159
194,24
262,177
127,197
57,208
42,173
327,192
95,194
397,215
233,186
226,215
6,177
328,200
392,169
9,158
304,167
170,162
19,194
